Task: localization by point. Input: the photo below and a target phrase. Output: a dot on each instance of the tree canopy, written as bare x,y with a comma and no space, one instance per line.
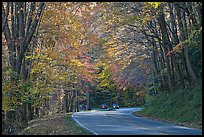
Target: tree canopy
57,56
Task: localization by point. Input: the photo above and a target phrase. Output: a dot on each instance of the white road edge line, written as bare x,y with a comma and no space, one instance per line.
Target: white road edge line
84,126
136,116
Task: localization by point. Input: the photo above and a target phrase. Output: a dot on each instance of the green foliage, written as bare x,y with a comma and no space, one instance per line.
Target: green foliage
194,44
194,41
11,93
183,105
105,82
132,97
195,50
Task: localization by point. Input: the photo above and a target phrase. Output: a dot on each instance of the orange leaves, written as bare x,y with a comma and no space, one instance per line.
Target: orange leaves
169,53
177,48
67,58
38,50
113,68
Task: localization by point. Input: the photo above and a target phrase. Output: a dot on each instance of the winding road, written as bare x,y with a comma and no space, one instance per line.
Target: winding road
122,122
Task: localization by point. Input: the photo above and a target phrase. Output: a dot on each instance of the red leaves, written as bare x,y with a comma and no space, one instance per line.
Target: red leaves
88,78
87,57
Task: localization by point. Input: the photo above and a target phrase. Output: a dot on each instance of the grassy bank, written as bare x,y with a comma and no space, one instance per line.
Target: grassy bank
59,124
182,107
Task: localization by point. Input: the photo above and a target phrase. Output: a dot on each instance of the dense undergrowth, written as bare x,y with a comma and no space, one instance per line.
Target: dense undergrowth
182,107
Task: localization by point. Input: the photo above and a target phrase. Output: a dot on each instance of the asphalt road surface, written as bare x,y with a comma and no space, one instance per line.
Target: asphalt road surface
122,122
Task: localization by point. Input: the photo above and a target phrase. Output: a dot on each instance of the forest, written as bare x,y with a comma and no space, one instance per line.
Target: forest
60,56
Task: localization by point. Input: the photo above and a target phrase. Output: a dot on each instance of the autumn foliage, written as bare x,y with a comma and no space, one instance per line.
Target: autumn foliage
57,56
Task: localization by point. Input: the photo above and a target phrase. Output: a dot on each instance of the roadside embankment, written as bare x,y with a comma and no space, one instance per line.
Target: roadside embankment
181,107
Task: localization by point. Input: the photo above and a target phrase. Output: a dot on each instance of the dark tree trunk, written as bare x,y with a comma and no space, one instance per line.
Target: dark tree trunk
10,123
175,41
183,36
191,13
165,43
66,101
24,117
88,100
30,111
14,30
36,112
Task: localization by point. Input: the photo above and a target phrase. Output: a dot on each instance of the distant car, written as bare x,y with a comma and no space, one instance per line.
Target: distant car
103,106
115,106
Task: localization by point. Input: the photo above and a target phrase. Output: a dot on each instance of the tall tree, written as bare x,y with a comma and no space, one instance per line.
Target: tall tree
184,36
20,22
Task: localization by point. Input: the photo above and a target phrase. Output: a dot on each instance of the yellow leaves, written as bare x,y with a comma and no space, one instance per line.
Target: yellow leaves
6,87
155,4
101,76
5,102
54,55
39,63
7,105
9,102
75,62
149,11
178,47
61,78
146,19
37,50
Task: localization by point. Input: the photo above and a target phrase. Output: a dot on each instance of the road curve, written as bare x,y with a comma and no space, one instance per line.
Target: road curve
122,122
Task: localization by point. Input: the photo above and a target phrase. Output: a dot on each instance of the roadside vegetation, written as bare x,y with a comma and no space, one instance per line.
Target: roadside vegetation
182,107
59,124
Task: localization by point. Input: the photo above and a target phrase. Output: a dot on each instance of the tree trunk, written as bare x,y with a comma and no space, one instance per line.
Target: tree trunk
175,42
24,117
161,60
71,101
14,27
183,36
77,101
165,42
199,11
30,111
162,67
191,14
88,100
36,112
10,123
66,101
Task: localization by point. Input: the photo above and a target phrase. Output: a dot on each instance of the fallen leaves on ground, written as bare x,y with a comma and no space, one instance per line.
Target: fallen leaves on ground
58,124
